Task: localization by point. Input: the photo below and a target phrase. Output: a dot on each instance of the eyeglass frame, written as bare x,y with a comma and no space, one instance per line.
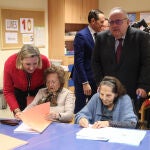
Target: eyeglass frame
52,82
117,21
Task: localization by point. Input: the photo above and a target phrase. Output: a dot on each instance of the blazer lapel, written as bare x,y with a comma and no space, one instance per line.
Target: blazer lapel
89,37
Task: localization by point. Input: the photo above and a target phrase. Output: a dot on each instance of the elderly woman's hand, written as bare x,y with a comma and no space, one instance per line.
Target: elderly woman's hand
83,122
100,124
52,116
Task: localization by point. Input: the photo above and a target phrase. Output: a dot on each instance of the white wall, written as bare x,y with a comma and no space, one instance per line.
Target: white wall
39,5
128,5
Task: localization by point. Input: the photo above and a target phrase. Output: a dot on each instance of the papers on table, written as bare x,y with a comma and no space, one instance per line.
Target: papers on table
23,128
34,118
92,134
8,142
110,134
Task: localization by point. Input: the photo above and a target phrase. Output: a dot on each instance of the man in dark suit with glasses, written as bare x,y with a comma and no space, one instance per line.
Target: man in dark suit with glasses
132,65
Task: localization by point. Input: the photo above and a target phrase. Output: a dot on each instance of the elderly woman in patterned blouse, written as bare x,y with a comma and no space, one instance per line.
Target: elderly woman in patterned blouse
61,99
111,106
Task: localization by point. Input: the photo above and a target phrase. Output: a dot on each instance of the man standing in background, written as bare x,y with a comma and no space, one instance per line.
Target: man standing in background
123,52
85,85
105,25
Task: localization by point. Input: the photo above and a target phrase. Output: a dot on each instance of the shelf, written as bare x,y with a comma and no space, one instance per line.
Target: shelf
68,59
69,38
71,18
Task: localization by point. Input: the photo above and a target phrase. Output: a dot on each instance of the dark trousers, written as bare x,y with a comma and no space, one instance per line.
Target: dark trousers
21,96
81,99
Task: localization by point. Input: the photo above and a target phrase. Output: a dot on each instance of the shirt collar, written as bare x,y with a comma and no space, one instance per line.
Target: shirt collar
123,37
91,30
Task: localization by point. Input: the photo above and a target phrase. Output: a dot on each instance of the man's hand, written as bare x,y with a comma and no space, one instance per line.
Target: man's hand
141,93
87,89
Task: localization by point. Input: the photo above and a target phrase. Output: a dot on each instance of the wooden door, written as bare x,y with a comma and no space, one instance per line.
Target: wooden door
87,6
73,11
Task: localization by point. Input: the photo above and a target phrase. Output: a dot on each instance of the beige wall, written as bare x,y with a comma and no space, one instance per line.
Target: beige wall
39,5
23,4
128,5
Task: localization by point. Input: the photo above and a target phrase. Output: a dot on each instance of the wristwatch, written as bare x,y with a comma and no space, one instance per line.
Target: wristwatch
59,116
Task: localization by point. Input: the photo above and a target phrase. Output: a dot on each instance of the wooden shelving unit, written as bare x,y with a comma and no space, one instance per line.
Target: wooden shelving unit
65,16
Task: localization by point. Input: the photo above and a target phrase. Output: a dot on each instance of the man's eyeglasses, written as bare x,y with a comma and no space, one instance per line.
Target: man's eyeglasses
117,22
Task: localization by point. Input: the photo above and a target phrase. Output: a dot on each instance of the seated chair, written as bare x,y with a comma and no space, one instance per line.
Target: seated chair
145,106
70,80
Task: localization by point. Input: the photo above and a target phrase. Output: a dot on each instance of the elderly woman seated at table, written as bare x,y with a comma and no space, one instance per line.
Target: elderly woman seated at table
111,106
61,99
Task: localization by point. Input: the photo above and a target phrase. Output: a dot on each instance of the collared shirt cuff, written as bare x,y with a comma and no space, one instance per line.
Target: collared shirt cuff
85,82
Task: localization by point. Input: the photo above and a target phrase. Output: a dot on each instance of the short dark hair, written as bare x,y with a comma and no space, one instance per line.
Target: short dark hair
94,14
117,86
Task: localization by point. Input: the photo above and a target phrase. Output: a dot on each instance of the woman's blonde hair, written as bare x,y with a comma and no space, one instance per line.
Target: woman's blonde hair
28,51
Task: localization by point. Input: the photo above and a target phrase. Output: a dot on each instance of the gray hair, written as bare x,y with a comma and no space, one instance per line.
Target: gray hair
118,10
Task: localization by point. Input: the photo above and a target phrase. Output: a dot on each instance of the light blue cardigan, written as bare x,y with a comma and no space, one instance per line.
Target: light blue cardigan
123,113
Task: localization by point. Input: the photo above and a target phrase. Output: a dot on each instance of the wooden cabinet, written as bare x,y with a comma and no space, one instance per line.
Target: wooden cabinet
64,16
76,11
56,28
73,11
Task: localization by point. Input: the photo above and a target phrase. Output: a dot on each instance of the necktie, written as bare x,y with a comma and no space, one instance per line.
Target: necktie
118,51
95,34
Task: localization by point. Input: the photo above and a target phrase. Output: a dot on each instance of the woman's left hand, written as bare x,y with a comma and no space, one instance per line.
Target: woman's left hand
100,124
52,116
18,115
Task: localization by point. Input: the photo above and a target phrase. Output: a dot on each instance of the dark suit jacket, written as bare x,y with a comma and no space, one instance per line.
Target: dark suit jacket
134,67
83,47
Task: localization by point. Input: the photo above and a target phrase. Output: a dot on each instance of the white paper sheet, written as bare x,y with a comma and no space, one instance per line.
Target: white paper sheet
116,135
23,128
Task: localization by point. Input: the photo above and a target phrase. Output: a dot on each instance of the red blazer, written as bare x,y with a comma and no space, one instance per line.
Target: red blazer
16,78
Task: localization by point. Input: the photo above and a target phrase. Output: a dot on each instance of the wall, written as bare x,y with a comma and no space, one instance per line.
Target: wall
128,5
39,5
105,5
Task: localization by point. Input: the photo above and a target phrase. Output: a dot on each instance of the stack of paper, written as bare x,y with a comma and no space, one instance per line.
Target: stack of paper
34,119
127,136
23,128
8,142
110,134
92,134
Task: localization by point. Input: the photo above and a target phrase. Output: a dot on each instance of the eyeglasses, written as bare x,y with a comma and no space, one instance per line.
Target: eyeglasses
52,82
117,22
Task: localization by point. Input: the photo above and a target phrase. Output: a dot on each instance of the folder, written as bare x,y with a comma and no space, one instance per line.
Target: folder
8,142
35,117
